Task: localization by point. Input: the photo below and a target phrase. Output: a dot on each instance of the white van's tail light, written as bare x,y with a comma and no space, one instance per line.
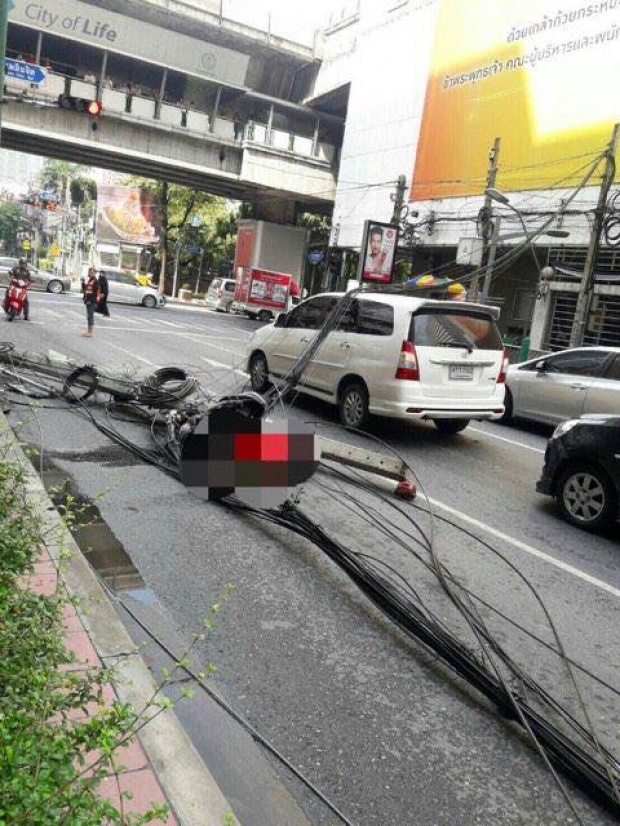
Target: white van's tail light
407,363
501,379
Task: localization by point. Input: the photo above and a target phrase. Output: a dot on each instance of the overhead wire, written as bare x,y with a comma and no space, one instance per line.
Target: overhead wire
392,593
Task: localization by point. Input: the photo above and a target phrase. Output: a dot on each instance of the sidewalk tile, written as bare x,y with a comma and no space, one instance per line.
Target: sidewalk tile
80,645
71,621
144,787
43,584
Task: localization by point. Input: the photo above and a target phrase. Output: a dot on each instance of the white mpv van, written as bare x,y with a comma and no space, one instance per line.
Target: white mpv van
391,355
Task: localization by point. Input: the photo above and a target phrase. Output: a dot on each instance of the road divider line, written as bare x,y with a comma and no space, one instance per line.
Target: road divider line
131,354
170,323
228,350
528,549
223,366
504,439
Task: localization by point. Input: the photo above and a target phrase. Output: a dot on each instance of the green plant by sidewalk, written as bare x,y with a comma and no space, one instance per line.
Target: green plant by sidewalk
52,756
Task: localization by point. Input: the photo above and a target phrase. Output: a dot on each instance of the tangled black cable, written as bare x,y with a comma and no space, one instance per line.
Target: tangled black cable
490,669
166,387
611,224
87,370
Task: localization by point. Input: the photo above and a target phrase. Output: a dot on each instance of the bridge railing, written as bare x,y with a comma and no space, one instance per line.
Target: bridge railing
179,116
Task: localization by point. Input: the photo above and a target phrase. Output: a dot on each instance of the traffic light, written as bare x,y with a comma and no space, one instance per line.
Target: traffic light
91,107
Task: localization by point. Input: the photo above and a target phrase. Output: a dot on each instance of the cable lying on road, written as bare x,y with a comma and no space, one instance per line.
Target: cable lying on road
171,404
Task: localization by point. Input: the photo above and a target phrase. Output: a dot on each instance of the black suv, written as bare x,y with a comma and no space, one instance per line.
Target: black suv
582,470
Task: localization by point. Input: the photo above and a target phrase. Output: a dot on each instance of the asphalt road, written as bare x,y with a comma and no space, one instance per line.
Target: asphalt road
386,733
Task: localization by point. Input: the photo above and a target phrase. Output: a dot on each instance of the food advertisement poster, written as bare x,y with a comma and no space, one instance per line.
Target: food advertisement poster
128,214
541,75
378,253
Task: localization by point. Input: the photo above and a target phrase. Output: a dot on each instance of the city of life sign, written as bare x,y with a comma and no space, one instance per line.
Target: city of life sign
131,37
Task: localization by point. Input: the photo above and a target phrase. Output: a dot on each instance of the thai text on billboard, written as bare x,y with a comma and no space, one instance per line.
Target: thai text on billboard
539,75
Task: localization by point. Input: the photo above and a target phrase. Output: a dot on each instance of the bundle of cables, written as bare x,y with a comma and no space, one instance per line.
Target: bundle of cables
166,387
419,599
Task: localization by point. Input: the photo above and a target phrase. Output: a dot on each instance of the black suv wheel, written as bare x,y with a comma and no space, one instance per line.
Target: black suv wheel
587,497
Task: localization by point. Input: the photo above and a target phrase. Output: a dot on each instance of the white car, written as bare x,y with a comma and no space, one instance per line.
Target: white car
221,294
391,355
124,287
564,385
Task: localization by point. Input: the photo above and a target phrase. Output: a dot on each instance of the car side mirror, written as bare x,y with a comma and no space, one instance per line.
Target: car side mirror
280,320
541,367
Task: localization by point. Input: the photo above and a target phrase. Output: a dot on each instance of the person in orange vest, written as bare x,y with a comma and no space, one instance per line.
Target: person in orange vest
90,288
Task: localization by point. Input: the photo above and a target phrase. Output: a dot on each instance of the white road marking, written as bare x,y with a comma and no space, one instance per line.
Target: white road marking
504,439
529,549
149,321
169,323
131,354
221,364
212,346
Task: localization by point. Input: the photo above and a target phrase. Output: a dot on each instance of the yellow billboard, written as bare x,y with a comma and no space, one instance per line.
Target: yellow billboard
542,76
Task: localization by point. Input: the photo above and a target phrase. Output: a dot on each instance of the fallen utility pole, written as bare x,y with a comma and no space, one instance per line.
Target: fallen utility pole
88,377
61,369
586,288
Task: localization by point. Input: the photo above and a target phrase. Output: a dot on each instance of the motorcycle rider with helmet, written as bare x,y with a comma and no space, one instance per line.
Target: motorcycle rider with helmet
19,273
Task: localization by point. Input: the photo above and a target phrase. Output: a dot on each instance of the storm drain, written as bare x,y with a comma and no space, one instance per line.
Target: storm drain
95,539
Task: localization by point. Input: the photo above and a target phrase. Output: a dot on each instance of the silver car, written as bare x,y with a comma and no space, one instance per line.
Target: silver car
41,279
124,287
564,385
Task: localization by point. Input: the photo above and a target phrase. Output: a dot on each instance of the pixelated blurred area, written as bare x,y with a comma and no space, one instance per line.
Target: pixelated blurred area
257,460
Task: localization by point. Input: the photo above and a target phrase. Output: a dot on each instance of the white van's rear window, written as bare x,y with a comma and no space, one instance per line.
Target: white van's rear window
435,327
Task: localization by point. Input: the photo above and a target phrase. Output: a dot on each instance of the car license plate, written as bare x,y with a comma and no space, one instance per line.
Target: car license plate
462,372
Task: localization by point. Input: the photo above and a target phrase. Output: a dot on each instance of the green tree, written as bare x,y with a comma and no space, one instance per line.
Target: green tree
72,180
215,234
11,218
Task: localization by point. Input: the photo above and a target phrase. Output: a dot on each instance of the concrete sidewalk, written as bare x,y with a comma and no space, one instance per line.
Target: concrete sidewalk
161,765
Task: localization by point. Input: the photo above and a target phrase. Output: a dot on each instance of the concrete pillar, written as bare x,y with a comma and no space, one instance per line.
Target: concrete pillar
269,126
315,138
37,57
540,318
162,92
216,107
102,73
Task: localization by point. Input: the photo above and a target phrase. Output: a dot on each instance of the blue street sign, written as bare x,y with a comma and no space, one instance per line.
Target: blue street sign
193,250
315,256
19,70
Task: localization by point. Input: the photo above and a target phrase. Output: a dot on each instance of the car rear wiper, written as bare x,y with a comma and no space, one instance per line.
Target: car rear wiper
459,344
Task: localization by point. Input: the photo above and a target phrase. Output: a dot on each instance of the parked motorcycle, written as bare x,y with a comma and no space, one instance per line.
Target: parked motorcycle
15,300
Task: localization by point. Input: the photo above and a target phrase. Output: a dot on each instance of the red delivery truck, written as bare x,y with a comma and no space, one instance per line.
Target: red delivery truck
269,260
262,294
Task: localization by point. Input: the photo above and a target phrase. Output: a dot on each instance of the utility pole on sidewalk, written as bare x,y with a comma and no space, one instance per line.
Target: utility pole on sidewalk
486,223
5,7
586,288
399,199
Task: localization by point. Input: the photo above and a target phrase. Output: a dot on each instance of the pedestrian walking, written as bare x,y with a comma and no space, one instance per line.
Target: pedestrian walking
102,295
89,289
